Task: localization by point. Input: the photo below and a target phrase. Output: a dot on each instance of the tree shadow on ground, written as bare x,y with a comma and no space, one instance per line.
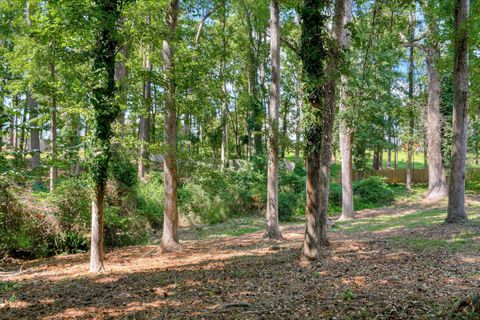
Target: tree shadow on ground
258,280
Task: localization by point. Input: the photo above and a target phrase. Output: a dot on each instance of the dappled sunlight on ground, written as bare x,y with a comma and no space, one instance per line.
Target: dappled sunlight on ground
400,263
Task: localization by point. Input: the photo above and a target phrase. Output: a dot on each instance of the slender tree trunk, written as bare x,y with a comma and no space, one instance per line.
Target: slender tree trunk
53,134
456,191
255,112
298,120
284,140
145,118
389,155
411,114
396,155
170,221
11,130
97,251
103,116
345,130
22,132
74,141
15,126
273,228
224,114
34,131
437,180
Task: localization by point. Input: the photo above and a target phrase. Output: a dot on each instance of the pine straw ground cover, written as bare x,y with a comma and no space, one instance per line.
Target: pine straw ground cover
395,263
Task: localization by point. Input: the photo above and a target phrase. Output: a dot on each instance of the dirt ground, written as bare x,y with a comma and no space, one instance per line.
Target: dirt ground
362,275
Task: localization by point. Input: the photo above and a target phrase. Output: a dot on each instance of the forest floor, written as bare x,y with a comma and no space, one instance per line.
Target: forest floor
399,262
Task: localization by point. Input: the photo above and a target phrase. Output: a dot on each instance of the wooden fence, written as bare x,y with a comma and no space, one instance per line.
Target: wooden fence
400,175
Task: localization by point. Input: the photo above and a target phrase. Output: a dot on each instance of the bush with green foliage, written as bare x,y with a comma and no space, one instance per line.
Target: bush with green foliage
372,192
287,204
150,197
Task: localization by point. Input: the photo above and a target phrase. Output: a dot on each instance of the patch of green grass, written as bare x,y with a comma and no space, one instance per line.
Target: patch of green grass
403,195
391,222
232,228
401,221
454,244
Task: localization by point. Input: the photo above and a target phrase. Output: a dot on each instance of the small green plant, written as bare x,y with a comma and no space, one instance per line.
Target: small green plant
348,295
7,286
13,298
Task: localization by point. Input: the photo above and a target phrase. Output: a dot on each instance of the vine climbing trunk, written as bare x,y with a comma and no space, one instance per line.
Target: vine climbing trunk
313,55
170,219
273,228
105,111
339,34
456,191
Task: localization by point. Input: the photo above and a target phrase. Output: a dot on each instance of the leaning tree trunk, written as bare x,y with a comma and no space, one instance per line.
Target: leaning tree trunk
105,113
437,180
313,55
273,228
170,219
456,191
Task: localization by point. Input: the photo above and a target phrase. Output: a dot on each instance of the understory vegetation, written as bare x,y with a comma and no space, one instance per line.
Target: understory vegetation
39,223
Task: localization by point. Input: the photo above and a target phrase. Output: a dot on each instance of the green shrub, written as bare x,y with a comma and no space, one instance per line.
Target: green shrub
372,191
150,198
287,203
335,198
122,169
72,199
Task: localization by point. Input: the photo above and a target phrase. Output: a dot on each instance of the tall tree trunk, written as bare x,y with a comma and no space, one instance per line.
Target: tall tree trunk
284,141
53,133
456,191
409,183
339,33
15,125
396,156
273,228
74,142
121,74
255,110
313,55
437,180
298,119
33,110
144,130
22,131
389,155
104,115
170,220
224,113
34,131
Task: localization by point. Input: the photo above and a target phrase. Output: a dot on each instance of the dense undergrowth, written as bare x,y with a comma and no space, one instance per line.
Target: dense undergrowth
35,222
